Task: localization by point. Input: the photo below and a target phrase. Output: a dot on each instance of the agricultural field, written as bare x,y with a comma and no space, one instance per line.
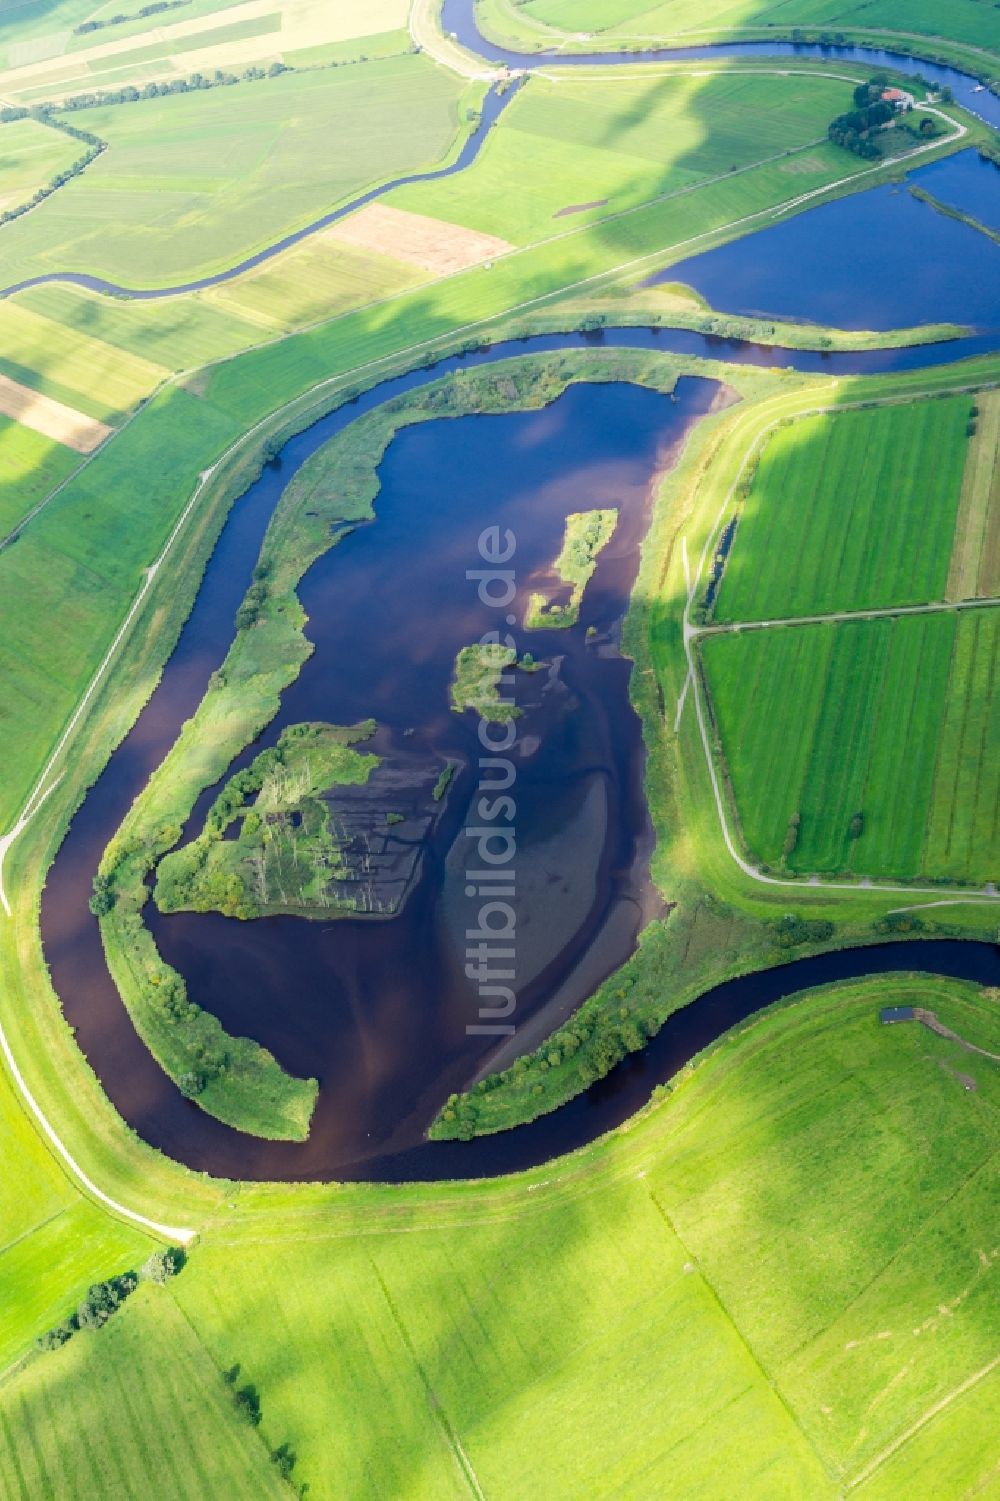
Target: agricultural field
30,468
158,200
853,512
636,22
870,747
975,559
53,1242
586,148
714,1301
106,47
30,156
777,1280
136,1408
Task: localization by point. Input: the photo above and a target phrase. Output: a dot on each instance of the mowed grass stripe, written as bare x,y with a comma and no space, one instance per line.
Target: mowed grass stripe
903,755
895,720
835,789
975,563
850,511
963,826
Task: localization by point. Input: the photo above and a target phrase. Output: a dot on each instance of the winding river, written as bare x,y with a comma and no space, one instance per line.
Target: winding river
384,1023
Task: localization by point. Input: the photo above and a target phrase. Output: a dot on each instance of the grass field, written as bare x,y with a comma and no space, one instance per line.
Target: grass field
852,512
134,1409
30,156
30,467
895,723
757,1289
315,280
634,22
72,366
975,559
193,183
616,143
53,1242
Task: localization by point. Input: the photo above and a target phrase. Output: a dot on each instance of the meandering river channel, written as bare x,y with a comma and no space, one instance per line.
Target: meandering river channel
380,1010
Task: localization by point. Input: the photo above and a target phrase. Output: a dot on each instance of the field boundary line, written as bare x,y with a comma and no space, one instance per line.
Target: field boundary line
926,1417
770,1383
879,612
450,1434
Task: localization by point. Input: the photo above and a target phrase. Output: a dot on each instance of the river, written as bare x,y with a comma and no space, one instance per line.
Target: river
380,1010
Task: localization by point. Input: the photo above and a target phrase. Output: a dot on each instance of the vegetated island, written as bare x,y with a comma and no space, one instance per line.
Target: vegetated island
286,857
479,675
587,534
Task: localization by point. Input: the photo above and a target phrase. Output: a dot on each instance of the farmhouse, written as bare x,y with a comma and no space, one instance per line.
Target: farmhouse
899,99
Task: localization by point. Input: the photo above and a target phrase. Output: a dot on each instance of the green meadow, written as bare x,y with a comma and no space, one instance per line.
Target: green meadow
30,468
53,1242
584,148
777,1282
193,183
136,1408
880,737
30,156
853,512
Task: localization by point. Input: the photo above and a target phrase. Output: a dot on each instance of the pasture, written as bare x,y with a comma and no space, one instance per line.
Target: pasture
30,156
868,747
136,1408
53,1242
717,1300
30,468
616,143
193,183
975,559
686,22
850,512
72,366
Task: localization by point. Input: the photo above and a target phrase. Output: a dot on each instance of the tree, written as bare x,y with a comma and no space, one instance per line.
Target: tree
102,897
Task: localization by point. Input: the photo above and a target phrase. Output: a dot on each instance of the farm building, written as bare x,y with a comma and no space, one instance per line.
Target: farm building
898,98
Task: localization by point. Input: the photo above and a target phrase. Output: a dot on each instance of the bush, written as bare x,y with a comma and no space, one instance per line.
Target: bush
790,931
162,1265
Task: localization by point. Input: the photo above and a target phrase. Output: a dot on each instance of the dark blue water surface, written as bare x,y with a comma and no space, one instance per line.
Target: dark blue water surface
880,259
968,182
